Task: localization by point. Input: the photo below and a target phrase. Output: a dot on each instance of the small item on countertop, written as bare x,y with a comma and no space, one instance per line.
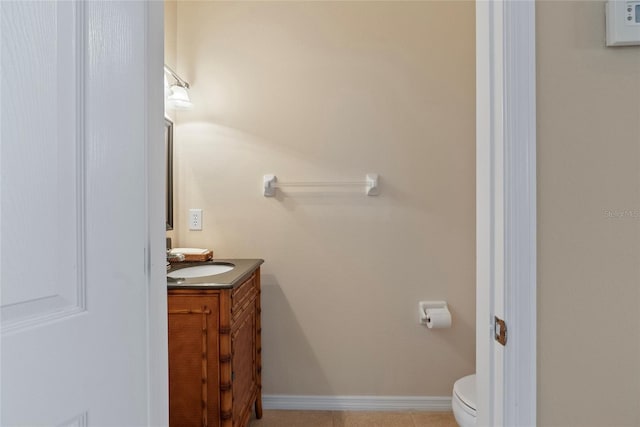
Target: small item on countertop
193,254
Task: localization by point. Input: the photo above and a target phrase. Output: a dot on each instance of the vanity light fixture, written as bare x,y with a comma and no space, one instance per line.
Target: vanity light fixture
178,93
167,90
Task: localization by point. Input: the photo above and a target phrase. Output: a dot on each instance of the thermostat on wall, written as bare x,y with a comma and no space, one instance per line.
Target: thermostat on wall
623,22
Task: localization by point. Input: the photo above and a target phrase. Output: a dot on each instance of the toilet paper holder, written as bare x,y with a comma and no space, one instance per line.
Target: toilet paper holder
423,306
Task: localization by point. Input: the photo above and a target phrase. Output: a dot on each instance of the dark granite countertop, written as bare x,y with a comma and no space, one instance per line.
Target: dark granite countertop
242,270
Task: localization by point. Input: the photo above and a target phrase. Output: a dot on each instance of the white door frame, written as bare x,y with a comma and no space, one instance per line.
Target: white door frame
158,363
506,211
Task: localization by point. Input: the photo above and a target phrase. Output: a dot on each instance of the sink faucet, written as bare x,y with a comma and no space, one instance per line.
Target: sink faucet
177,257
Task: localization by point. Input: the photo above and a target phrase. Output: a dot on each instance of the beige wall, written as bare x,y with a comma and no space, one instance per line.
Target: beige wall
331,91
589,262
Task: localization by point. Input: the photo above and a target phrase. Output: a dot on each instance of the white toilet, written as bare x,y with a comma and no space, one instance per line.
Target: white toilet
463,401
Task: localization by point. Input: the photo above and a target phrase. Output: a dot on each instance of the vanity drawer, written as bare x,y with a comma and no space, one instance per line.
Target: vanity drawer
243,295
244,291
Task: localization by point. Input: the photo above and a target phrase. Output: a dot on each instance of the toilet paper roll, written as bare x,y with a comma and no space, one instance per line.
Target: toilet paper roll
438,318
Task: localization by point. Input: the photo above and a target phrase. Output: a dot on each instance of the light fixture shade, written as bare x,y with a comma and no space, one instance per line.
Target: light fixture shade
179,98
167,89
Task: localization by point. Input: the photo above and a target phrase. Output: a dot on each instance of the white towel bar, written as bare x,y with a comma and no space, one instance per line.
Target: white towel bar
270,183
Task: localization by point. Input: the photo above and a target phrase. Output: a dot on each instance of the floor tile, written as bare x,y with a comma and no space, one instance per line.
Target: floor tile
372,419
353,419
293,419
434,419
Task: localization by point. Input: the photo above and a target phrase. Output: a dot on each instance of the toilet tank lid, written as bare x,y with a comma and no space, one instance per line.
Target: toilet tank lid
465,389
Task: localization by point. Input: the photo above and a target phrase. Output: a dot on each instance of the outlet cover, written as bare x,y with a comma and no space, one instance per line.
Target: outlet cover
195,219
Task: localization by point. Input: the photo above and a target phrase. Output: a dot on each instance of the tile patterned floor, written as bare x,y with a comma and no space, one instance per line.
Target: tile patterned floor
354,419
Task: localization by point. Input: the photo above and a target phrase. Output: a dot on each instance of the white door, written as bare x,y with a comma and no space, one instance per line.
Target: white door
506,212
81,306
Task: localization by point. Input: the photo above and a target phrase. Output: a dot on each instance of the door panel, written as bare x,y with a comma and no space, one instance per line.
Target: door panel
243,342
193,366
41,163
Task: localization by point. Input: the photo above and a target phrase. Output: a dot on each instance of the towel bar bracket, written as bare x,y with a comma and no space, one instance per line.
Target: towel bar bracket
269,185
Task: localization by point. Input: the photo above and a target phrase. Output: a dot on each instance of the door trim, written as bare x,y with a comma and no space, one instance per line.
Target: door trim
155,255
506,210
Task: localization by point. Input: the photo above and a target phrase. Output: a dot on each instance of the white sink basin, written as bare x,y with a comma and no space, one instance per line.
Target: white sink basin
200,271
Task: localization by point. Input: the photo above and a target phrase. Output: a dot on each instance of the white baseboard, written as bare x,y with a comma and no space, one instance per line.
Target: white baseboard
356,403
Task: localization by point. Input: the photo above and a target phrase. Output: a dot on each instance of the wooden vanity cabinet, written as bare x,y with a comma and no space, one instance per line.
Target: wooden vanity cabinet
215,355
